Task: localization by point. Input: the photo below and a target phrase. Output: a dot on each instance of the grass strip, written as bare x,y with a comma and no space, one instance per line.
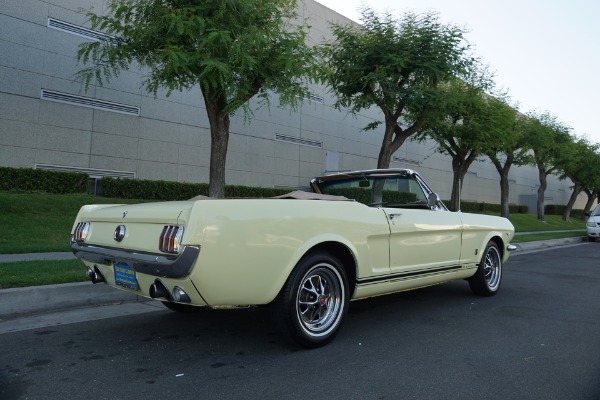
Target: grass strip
40,222
530,223
546,236
37,273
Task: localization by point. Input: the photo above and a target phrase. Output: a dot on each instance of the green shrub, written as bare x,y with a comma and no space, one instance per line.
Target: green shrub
476,207
558,209
167,190
37,180
364,195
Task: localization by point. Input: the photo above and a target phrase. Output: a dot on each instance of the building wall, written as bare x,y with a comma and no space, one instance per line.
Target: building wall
170,137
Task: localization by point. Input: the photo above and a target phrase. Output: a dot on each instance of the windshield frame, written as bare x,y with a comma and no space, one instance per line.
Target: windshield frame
319,184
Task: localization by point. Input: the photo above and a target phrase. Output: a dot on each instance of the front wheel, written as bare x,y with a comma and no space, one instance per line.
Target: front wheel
311,306
487,279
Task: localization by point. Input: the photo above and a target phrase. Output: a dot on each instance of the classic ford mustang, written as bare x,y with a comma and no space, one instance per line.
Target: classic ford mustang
358,235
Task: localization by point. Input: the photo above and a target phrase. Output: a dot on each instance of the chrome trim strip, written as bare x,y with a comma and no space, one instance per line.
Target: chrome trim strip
151,264
407,275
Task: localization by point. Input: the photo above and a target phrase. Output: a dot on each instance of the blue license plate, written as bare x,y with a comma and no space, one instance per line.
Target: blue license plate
125,276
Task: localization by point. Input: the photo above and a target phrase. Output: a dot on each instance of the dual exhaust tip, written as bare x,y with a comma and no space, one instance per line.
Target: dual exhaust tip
158,290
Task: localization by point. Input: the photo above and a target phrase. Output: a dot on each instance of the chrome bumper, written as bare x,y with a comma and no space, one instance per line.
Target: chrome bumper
176,266
511,247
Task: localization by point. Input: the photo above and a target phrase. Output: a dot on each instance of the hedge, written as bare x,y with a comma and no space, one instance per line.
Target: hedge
37,180
558,209
167,190
364,196
475,207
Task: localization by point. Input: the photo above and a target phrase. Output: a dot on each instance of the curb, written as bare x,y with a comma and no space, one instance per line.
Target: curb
547,244
16,302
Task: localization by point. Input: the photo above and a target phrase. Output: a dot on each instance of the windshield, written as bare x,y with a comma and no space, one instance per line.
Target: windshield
389,191
596,212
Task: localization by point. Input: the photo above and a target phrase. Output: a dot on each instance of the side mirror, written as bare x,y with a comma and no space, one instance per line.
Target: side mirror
433,200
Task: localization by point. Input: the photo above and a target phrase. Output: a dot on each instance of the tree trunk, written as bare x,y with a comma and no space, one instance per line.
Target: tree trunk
572,200
394,137
541,193
219,139
505,186
459,169
590,202
387,148
504,193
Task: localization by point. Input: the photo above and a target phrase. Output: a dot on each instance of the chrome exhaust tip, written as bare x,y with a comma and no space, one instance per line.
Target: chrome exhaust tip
95,275
180,296
158,290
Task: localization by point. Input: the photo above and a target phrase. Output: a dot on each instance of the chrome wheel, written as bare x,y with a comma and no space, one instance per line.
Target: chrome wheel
487,278
310,307
320,299
492,268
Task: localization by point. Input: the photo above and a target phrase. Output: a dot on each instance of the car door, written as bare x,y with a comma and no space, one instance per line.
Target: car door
423,240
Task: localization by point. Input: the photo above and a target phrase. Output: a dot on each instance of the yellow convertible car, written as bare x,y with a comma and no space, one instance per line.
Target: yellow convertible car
359,234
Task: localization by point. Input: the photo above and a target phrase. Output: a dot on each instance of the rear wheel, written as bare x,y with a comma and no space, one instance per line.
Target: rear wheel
311,306
487,279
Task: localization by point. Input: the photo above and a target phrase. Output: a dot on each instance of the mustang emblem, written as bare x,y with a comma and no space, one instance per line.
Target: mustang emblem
124,214
119,233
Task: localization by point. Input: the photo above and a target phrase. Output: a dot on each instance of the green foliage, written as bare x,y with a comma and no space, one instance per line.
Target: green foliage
232,50
238,191
480,208
152,190
559,209
395,65
390,197
36,180
168,191
547,137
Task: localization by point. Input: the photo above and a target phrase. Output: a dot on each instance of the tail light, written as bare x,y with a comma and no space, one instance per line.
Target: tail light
81,232
170,239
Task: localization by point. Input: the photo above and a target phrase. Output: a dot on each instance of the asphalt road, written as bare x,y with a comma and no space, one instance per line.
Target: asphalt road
539,338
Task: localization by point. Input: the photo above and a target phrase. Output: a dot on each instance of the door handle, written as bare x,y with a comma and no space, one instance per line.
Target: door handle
392,216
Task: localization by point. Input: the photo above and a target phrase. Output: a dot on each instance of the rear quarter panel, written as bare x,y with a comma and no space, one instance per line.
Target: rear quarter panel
249,247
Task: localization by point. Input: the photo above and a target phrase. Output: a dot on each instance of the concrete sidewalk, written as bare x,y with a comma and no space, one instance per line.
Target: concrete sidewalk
20,302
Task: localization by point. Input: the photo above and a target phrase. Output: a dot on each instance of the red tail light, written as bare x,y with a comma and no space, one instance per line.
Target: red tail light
170,239
81,231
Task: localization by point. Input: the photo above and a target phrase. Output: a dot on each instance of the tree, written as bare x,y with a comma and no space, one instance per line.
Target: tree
397,66
547,137
465,125
232,50
508,148
589,178
575,165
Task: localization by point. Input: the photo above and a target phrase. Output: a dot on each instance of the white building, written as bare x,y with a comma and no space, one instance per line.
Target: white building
46,121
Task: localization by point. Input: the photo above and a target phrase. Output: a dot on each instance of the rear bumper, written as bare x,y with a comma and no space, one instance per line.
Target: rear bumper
162,266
